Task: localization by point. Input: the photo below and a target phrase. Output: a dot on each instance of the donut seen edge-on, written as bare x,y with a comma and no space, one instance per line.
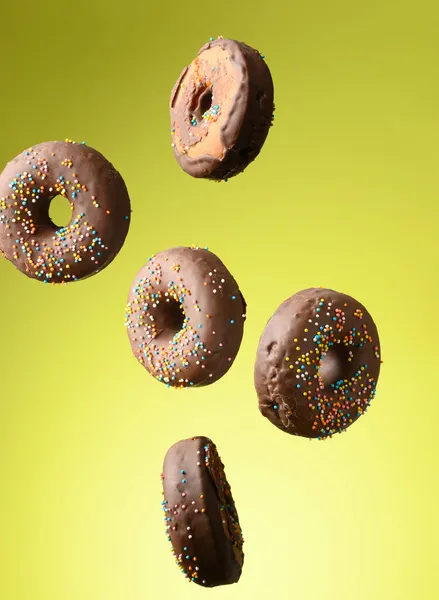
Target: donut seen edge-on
200,516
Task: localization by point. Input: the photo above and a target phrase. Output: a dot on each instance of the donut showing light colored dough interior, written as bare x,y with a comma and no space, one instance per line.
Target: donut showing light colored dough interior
221,110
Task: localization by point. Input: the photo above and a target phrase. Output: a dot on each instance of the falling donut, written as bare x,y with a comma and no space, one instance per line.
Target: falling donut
221,110
100,212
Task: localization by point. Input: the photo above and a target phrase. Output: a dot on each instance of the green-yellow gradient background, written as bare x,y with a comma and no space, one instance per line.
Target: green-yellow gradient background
343,195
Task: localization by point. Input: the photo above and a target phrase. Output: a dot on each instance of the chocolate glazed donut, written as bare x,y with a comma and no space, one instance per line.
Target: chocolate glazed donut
200,515
100,212
221,110
185,317
317,363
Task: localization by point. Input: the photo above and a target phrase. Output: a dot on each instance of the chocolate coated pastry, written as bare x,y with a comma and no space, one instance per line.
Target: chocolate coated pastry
100,212
185,317
317,363
200,515
221,110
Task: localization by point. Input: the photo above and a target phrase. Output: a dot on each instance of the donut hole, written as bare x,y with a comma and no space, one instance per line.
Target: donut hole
206,100
335,365
201,103
169,320
60,211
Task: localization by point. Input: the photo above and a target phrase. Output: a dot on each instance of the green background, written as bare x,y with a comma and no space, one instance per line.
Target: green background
344,195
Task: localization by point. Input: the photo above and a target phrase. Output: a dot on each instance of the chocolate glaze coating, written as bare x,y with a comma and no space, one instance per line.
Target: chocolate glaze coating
317,363
221,141
100,212
200,515
185,317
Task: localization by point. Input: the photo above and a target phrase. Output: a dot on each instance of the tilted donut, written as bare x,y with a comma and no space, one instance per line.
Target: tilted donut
185,317
100,212
317,364
221,110
200,516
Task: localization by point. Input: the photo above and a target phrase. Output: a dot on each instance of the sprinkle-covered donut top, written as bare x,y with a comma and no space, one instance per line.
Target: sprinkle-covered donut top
185,317
100,212
317,364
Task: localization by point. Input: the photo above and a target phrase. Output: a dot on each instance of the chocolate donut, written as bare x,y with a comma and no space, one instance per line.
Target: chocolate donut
185,317
200,515
221,110
100,212
317,363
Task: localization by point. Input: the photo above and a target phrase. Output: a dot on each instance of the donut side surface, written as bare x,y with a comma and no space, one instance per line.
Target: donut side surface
100,212
200,516
317,363
221,110
185,317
